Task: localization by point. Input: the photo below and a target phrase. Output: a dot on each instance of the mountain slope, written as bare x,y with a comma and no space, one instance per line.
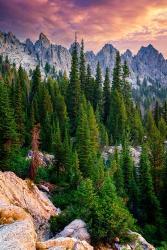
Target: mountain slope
148,63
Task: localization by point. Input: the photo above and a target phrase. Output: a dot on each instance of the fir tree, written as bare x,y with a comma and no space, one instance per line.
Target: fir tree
157,113
164,111
157,152
36,80
117,122
8,138
82,68
150,207
83,142
98,102
125,84
116,83
130,184
73,97
89,88
19,113
117,174
162,128
94,131
106,96
58,152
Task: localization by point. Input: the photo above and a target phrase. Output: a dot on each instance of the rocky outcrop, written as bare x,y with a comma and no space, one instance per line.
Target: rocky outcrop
110,150
24,215
17,231
26,195
64,243
44,158
76,229
139,242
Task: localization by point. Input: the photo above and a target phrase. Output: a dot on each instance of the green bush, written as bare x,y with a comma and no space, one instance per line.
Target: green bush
104,213
19,165
57,223
43,174
163,246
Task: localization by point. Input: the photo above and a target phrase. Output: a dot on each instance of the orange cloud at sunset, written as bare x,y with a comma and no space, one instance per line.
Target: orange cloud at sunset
125,24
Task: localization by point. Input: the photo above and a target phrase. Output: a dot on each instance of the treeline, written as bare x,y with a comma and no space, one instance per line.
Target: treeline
78,116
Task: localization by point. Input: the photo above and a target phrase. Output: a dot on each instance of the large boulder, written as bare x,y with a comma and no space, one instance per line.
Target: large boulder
17,230
26,195
64,243
76,229
139,242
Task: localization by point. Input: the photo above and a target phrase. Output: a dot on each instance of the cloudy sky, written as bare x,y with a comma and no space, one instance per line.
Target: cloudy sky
124,23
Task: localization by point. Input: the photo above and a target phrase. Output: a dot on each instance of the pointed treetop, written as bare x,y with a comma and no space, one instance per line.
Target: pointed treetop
76,37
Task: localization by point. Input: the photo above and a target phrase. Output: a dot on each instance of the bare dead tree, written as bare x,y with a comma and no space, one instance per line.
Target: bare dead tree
35,162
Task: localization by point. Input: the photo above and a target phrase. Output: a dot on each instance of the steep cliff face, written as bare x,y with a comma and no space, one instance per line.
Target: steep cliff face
148,63
16,51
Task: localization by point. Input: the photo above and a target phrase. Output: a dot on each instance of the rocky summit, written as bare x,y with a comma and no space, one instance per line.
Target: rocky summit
147,64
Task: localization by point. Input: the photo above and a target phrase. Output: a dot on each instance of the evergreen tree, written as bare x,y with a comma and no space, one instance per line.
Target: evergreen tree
83,142
63,84
46,133
106,96
47,68
125,84
112,218
136,127
98,99
61,112
130,184
162,128
116,83
103,135
8,138
117,173
164,111
157,152
76,175
36,80
150,207
73,96
157,113
82,68
19,113
89,88
117,122
94,131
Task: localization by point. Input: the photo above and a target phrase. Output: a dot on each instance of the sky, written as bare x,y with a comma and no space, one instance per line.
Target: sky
124,23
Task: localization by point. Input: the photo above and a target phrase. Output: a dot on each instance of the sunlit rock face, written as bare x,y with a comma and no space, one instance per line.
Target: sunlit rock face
24,215
148,64
24,194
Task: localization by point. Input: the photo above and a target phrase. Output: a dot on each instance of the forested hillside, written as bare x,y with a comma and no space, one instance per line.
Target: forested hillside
74,119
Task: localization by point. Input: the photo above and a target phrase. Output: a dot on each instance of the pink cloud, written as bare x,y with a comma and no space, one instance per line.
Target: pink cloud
97,21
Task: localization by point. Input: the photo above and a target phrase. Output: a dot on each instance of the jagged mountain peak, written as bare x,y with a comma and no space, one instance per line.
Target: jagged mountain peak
148,50
10,37
148,63
108,47
128,53
43,39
